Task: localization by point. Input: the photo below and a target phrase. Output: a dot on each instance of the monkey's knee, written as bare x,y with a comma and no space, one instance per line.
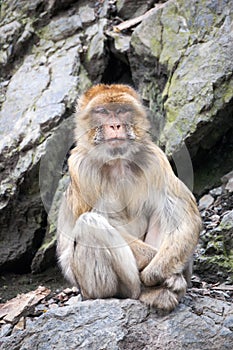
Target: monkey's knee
101,273
103,263
91,225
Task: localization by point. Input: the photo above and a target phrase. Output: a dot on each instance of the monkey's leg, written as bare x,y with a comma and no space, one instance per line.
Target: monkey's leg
102,262
166,296
142,252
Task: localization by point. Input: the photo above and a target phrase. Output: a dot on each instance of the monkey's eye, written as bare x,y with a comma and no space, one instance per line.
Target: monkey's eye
121,110
101,110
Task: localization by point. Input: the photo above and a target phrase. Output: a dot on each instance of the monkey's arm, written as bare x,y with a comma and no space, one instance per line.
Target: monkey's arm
180,225
179,239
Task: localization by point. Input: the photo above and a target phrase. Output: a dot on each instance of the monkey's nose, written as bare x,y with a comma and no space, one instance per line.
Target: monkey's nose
115,127
114,130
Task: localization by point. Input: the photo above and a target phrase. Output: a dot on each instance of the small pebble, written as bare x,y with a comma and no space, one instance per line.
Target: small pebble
205,202
74,300
215,192
53,306
75,289
67,291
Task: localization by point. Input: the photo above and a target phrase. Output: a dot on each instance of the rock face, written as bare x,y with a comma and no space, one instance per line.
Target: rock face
178,55
128,324
189,48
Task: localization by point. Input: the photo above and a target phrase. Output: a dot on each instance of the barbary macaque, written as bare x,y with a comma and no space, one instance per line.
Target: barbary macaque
127,226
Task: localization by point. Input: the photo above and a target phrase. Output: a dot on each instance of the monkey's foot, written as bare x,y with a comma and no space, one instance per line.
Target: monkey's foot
177,284
161,298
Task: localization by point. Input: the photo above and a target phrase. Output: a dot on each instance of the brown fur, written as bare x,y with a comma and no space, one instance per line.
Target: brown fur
127,226
103,94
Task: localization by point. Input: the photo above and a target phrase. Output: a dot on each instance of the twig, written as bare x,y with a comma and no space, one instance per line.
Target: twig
132,22
226,287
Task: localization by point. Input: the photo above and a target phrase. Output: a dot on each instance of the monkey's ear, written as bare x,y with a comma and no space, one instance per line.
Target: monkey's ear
107,94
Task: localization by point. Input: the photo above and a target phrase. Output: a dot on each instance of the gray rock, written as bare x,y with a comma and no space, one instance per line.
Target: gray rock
185,54
62,27
87,14
205,202
95,59
228,181
121,42
9,34
51,190
227,222
131,8
10,31
6,330
216,191
28,116
128,324
229,185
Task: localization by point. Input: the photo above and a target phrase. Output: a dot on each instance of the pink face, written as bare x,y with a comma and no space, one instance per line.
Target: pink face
113,122
114,129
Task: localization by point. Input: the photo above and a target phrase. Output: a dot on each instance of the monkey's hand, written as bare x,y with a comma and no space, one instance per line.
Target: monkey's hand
176,283
150,276
143,252
166,296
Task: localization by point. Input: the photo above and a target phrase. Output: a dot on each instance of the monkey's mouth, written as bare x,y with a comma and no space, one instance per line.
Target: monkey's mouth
116,142
117,146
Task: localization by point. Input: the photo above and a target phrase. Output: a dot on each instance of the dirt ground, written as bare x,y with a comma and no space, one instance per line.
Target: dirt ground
13,284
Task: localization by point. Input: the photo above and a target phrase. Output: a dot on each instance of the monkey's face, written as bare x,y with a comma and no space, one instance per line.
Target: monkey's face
114,126
111,121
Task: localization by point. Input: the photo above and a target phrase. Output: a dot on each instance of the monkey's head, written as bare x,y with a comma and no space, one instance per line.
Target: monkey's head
111,115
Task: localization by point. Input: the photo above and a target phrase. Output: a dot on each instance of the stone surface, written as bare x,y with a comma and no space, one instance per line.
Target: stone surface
131,8
128,324
192,75
180,59
205,201
227,222
40,93
95,59
228,181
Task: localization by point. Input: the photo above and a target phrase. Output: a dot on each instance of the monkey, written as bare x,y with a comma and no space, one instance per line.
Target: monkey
127,226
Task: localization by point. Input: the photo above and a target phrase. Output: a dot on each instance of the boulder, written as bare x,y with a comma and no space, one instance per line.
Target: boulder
181,61
128,324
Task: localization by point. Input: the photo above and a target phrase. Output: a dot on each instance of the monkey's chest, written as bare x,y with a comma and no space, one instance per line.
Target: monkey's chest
124,206
123,195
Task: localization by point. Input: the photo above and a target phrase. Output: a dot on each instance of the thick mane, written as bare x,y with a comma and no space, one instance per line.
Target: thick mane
99,172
